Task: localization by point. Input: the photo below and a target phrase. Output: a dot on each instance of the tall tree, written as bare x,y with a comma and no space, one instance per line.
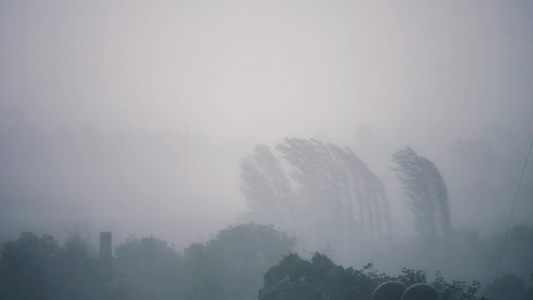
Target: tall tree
337,200
339,187
426,192
241,255
266,187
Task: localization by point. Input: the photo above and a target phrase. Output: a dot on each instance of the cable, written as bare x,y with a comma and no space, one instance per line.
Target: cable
509,223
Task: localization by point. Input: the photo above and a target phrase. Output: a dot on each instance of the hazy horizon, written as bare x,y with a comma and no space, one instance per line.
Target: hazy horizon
135,115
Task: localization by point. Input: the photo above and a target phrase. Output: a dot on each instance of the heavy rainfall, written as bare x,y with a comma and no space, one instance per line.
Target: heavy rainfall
266,149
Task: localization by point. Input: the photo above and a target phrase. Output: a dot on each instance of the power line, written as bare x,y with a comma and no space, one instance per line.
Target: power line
509,223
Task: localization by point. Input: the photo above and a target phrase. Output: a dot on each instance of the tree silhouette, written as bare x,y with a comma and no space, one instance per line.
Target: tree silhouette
33,267
426,192
321,192
295,278
338,187
27,267
266,187
149,268
241,255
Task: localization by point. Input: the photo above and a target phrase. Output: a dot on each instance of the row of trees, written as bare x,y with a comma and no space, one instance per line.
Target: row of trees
327,196
33,267
237,263
320,278
229,266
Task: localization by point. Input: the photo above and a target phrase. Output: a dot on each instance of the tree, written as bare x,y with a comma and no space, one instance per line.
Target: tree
149,268
456,290
336,198
320,278
35,267
295,278
232,264
242,254
26,267
426,193
266,188
78,273
338,186
200,274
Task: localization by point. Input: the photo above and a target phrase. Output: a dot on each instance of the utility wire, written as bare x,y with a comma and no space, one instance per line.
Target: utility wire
509,223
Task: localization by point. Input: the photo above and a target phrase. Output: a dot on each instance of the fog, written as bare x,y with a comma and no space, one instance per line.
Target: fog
133,117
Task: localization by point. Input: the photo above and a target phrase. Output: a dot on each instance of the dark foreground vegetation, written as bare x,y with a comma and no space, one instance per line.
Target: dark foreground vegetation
247,261
295,278
229,266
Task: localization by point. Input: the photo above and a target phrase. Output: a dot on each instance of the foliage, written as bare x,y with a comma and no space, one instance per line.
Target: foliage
266,188
410,276
456,290
200,274
229,266
26,267
79,271
237,263
426,191
148,267
35,267
338,186
295,278
326,190
243,254
320,278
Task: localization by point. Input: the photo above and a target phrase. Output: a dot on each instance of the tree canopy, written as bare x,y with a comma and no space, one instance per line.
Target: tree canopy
240,262
426,193
324,193
295,278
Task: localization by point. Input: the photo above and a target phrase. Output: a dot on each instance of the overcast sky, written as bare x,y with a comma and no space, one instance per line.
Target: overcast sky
386,73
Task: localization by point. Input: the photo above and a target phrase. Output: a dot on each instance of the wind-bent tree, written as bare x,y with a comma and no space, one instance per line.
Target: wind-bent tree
336,199
266,188
426,192
338,186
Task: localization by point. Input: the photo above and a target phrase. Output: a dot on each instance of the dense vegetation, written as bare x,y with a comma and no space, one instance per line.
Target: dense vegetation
242,262
295,278
325,195
229,266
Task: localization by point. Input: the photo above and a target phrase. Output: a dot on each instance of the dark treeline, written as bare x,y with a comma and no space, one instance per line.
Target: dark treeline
241,262
229,266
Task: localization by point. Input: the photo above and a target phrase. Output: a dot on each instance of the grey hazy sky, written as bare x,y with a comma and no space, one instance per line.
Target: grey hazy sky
269,69
388,73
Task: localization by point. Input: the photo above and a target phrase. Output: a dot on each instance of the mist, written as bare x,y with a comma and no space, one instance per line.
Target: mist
134,117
